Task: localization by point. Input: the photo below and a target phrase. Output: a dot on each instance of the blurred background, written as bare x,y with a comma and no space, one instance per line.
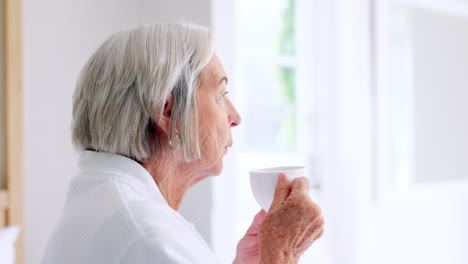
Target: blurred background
370,95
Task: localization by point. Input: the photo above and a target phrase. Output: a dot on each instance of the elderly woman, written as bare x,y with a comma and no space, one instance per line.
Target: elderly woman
151,118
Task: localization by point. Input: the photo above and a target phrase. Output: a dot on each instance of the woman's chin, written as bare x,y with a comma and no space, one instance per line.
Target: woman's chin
211,167
217,168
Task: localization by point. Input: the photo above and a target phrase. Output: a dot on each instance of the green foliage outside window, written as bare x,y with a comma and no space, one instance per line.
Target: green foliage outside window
287,39
287,75
287,78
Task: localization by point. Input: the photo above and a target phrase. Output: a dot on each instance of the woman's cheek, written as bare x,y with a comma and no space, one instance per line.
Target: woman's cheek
208,144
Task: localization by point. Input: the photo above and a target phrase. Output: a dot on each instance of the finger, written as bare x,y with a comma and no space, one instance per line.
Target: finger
319,233
282,190
316,212
313,236
313,225
256,223
301,184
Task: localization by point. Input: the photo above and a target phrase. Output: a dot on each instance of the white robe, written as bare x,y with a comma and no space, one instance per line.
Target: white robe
115,213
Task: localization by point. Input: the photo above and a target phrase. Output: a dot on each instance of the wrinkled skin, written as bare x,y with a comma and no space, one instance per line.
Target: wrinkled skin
216,117
293,223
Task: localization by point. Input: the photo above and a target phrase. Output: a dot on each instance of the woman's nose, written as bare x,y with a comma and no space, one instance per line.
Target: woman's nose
234,116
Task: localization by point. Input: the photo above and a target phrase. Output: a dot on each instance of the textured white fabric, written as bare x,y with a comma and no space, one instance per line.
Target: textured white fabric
8,236
115,213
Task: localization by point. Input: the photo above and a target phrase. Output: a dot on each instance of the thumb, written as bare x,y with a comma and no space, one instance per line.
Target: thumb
257,222
282,190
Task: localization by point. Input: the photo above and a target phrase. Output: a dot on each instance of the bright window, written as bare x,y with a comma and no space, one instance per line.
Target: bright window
267,74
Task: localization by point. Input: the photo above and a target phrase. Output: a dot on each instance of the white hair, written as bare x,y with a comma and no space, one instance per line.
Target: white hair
122,89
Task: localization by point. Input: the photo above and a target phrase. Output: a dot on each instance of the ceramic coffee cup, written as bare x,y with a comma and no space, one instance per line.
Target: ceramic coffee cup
263,182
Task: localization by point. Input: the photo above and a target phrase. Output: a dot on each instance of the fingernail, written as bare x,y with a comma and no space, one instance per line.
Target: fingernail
280,176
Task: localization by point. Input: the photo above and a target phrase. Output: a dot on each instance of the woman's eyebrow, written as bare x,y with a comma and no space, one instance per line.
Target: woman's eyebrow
224,78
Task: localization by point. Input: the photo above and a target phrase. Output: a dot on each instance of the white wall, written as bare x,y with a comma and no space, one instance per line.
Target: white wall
425,223
440,92
161,11
58,37
421,222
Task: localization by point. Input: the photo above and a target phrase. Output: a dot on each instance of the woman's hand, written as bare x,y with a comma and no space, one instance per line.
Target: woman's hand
247,249
292,224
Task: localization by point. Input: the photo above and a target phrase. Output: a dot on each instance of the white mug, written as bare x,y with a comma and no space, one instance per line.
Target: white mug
263,182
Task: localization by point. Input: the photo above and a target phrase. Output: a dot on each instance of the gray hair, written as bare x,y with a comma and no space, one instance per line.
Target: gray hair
122,89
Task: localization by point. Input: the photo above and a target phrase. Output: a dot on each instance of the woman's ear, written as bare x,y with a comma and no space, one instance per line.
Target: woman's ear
165,121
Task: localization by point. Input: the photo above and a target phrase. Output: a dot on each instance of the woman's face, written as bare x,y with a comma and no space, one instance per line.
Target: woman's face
216,116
